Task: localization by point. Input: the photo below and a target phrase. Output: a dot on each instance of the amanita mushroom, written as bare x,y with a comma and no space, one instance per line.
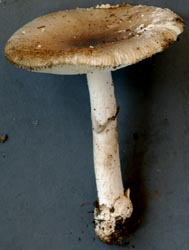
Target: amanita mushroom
96,41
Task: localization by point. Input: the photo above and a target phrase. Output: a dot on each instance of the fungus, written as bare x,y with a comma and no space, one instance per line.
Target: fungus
96,41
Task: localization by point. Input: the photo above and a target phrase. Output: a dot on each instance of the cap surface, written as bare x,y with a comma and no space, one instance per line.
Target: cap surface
83,40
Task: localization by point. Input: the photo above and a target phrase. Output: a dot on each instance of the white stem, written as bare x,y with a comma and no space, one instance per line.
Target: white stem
114,205
105,137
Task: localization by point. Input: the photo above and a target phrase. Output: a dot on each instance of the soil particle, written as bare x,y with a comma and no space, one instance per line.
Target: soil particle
135,136
85,204
3,138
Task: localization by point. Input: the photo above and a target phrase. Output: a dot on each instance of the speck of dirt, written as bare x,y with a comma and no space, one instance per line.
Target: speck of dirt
96,204
3,138
126,243
112,210
41,27
135,136
79,239
154,195
4,156
85,204
133,246
90,212
35,122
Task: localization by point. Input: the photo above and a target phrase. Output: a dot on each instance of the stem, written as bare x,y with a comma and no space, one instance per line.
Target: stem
105,137
114,206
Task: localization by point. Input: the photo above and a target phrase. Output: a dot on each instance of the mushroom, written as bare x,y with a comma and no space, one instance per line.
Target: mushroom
96,41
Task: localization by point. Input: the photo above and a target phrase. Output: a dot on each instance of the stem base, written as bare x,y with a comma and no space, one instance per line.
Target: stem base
110,222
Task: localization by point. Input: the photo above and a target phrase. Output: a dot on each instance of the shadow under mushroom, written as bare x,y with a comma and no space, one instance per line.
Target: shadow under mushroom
133,159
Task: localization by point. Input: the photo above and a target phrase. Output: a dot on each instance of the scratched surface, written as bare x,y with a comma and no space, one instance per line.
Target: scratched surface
47,185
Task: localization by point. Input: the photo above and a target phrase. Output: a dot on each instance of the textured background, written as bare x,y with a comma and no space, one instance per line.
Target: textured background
47,185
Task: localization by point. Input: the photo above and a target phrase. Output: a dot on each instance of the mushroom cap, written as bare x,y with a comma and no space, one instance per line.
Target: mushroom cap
84,40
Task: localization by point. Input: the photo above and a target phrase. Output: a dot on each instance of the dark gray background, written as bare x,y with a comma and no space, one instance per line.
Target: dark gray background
47,184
